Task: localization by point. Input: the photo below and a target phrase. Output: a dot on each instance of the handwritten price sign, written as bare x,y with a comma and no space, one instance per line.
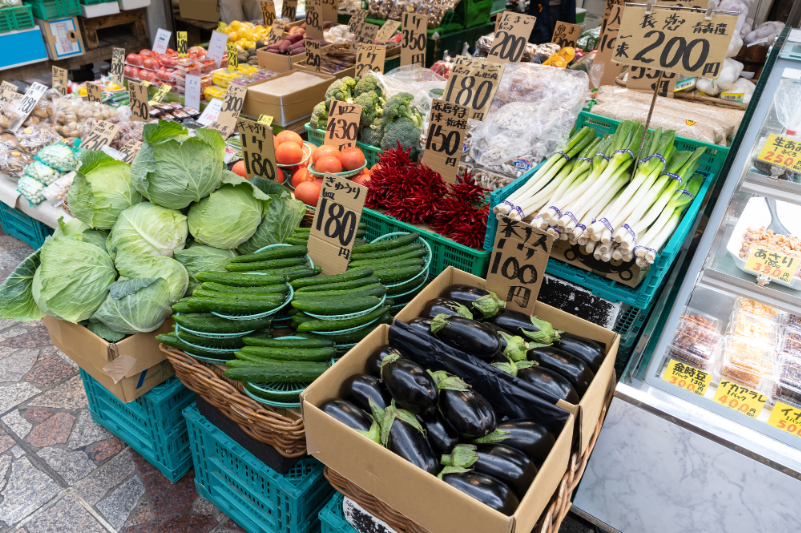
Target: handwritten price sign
257,149
775,265
445,138
343,124
511,37
415,39
473,84
687,377
740,399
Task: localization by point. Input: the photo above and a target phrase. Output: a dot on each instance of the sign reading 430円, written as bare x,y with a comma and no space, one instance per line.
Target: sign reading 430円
678,41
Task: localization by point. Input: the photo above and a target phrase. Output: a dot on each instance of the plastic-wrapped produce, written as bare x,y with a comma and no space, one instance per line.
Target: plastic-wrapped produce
56,192
31,190
728,75
59,156
34,138
8,115
766,33
13,162
42,173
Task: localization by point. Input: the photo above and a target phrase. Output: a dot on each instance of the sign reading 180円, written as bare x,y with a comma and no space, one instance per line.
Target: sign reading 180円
678,41
257,149
473,83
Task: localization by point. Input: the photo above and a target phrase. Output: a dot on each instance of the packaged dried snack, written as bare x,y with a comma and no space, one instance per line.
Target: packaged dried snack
791,341
756,308
34,138
8,115
794,321
753,327
787,388
697,341
748,362
701,319
13,162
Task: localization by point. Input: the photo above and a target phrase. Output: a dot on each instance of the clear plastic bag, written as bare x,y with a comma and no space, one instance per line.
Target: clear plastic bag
42,173
56,192
8,115
31,190
13,162
59,156
34,138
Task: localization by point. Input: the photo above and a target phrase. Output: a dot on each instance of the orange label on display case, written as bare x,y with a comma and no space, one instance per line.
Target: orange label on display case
740,399
687,377
786,418
781,151
776,265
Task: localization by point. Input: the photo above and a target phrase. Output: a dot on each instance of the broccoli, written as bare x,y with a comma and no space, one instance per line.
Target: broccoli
319,118
368,84
372,107
436,93
399,106
341,90
404,130
372,134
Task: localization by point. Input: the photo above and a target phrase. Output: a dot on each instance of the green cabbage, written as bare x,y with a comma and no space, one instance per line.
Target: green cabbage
76,227
135,305
132,266
201,258
284,214
103,331
16,298
101,190
149,230
172,169
73,278
230,215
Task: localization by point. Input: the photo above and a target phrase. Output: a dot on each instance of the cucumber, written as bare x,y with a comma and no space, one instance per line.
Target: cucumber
361,233
300,318
282,397
350,275
290,354
230,342
417,254
170,339
200,293
209,323
404,287
279,372
286,271
375,289
281,288
351,336
341,286
301,230
360,242
394,265
388,253
183,307
297,241
335,325
337,306
288,343
394,275
231,306
279,252
266,265
240,280
241,360
305,273
387,244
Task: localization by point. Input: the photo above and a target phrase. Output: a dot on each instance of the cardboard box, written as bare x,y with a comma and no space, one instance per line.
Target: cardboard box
62,37
290,107
350,71
421,497
206,10
277,62
588,411
628,274
128,369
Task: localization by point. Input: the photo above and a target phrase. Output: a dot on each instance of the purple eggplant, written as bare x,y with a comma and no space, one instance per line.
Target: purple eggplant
439,306
549,381
421,326
440,434
409,384
525,435
501,462
469,413
402,434
576,371
483,488
467,335
359,389
374,361
485,302
352,416
585,349
527,326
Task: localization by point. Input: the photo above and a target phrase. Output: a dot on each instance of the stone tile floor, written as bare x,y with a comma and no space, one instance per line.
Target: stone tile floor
62,473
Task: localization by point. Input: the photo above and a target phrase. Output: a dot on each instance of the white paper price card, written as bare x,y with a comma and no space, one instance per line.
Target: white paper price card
336,220
257,149
446,135
415,39
118,64
211,112
517,265
26,104
229,111
101,135
217,49
192,94
162,41
511,37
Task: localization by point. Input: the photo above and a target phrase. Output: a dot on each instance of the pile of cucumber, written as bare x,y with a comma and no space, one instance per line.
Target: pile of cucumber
343,308
211,338
291,261
300,236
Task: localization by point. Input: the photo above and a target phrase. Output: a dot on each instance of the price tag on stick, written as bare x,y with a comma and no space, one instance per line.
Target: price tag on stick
257,149
369,57
684,42
162,41
229,111
314,19
687,377
566,34
233,58
130,150
473,84
343,124
387,31
330,10
446,135
357,19
366,33
26,104
314,58
93,92
117,65
415,39
60,79
140,106
277,31
740,399
268,12
101,135
517,265
182,42
218,47
511,37
335,223
192,91
289,10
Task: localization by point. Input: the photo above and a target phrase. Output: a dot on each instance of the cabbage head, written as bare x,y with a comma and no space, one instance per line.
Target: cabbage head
131,265
201,258
283,215
16,295
149,230
101,190
173,169
135,305
230,215
73,278
76,227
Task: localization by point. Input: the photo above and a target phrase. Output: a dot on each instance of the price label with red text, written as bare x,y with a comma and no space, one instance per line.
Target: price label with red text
335,223
343,124
776,265
740,399
781,151
511,37
687,377
786,418
415,39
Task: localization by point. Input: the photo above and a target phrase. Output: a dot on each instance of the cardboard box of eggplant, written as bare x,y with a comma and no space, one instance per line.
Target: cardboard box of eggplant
542,431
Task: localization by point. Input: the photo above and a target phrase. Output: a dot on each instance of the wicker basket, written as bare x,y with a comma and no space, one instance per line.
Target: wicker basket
284,434
549,522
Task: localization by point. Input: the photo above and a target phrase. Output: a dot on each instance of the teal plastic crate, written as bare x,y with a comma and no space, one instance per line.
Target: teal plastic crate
255,496
371,153
54,9
332,518
95,2
16,18
499,195
629,325
153,424
20,226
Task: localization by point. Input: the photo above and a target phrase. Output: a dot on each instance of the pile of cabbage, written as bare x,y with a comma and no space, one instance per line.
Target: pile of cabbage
142,232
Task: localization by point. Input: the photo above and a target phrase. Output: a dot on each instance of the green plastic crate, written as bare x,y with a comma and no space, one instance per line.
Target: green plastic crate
16,18
371,153
95,2
332,518
54,9
20,226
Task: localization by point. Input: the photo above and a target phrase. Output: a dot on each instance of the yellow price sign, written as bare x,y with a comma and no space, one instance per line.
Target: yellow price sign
740,399
776,265
786,418
182,42
267,120
233,59
221,26
162,92
781,151
687,377
145,84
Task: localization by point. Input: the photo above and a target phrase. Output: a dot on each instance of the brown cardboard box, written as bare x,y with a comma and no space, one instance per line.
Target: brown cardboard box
588,411
128,369
288,108
206,10
350,71
277,62
62,37
421,497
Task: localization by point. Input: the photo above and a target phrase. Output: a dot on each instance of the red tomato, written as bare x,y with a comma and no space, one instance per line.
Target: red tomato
134,73
171,52
146,52
289,135
328,164
239,168
351,158
288,153
126,71
308,192
361,178
301,175
323,151
150,63
134,59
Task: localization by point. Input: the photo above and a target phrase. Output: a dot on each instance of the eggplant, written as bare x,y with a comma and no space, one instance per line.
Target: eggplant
585,349
353,417
442,437
485,302
470,414
409,384
359,389
527,326
374,360
485,489
513,347
421,326
501,462
527,436
442,306
568,366
406,438
549,381
467,335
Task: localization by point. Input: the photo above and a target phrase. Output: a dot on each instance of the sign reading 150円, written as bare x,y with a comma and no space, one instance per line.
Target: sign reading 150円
678,41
